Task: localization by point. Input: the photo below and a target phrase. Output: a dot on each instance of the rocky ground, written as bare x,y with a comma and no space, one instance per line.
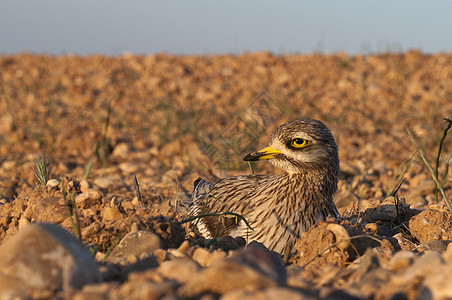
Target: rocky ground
85,234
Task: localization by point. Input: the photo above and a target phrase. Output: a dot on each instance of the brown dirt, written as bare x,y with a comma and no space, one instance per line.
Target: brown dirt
169,120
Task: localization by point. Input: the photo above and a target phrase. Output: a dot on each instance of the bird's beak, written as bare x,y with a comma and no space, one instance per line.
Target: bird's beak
266,153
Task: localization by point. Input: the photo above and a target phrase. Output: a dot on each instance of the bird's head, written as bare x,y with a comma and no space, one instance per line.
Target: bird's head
300,146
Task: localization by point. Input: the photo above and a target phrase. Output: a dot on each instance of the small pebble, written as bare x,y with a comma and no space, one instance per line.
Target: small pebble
401,260
439,207
131,259
114,202
127,205
111,213
135,201
85,185
184,246
175,253
447,255
341,235
134,227
415,201
201,255
161,255
53,183
181,270
99,256
372,227
89,198
104,182
121,150
437,245
128,167
23,222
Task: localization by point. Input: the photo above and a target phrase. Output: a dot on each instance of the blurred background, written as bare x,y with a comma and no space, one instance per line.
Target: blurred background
213,27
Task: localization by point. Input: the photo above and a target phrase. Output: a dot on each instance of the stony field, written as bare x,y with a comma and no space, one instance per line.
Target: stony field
100,122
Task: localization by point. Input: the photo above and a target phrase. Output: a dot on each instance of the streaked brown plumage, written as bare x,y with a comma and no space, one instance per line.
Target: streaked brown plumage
278,207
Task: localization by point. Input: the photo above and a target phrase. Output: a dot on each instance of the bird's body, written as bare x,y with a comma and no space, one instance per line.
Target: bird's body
278,207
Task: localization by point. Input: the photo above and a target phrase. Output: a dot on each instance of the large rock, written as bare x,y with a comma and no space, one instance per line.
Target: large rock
437,285
206,258
88,198
432,224
270,293
136,243
388,211
251,269
50,210
42,259
181,270
427,265
311,245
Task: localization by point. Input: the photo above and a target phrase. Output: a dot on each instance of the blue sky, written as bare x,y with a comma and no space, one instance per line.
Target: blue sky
208,27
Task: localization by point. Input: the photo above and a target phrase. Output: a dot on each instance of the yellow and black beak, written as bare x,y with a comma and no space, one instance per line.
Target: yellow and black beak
266,153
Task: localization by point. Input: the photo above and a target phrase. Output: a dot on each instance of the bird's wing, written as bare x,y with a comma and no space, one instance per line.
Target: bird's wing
231,194
200,189
228,195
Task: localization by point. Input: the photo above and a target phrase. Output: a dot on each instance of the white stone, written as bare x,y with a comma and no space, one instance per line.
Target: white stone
53,183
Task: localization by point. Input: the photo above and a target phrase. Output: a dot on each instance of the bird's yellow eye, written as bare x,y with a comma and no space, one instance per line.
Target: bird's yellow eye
299,143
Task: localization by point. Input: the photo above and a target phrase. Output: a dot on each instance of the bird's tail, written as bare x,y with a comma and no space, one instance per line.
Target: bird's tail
201,188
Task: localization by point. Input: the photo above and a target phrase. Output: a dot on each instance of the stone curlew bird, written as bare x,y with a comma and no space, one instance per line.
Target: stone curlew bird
278,207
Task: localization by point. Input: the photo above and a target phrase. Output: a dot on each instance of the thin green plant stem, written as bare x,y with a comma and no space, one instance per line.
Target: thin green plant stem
101,147
214,240
204,209
220,216
217,214
396,200
446,173
77,218
68,209
440,148
429,167
138,192
115,242
398,187
251,168
400,173
74,228
218,226
89,166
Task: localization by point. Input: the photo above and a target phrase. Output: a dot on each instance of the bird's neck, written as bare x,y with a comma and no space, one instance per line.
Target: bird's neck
321,181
